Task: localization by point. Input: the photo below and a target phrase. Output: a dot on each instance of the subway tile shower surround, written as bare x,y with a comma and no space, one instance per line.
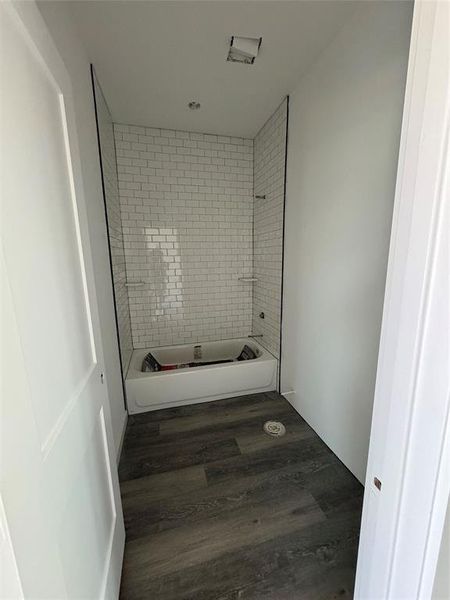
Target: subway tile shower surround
269,167
187,217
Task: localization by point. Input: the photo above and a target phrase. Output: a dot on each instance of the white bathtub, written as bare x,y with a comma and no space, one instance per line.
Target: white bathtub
163,389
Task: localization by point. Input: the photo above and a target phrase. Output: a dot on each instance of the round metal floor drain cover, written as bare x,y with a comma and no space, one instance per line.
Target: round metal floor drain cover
274,428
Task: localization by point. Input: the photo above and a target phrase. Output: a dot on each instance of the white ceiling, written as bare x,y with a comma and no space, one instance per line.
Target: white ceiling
153,57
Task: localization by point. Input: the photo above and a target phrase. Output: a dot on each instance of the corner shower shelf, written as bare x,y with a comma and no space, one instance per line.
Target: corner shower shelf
248,279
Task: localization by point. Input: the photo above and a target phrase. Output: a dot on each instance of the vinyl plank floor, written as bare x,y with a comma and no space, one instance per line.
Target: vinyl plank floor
142,491
224,415
140,462
246,425
205,502
306,453
217,509
209,538
313,551
252,440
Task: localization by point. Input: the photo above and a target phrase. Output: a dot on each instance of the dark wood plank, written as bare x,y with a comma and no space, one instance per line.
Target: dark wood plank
256,439
318,581
247,428
138,429
174,549
151,426
141,462
266,407
145,518
314,552
202,408
334,487
216,509
310,454
144,490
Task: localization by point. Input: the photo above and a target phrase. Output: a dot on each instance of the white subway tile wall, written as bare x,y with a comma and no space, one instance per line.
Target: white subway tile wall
109,166
187,214
269,165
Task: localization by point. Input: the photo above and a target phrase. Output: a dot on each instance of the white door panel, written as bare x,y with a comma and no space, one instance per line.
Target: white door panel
40,235
59,481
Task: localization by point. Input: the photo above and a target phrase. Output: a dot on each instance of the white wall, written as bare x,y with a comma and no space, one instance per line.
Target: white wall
60,24
187,204
269,169
114,224
344,129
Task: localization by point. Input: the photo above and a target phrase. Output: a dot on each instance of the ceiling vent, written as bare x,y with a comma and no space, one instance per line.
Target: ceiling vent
244,49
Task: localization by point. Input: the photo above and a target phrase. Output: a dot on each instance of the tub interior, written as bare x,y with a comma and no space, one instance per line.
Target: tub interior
156,389
207,352
202,355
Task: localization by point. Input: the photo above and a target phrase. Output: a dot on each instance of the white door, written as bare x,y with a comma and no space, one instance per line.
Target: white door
59,483
405,506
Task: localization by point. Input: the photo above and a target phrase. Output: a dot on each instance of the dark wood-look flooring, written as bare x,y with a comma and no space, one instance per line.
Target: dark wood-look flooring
217,509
